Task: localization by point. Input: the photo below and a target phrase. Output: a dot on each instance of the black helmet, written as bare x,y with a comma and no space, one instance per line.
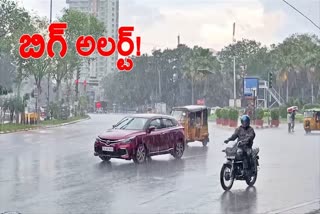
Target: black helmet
245,120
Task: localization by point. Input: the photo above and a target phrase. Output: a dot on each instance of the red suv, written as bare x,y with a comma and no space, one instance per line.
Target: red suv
141,136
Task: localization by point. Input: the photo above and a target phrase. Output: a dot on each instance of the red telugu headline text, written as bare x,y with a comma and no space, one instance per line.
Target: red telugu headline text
85,45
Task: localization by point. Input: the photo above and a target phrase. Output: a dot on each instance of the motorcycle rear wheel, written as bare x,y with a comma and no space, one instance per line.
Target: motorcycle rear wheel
252,179
222,177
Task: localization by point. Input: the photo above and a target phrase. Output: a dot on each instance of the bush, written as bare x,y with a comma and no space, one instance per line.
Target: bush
275,114
218,113
299,118
266,113
233,114
259,114
310,106
283,111
225,113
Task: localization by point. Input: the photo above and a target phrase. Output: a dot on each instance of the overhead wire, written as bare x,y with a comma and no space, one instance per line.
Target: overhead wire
317,26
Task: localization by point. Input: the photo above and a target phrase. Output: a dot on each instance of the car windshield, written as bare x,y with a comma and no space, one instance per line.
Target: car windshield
308,114
178,114
131,123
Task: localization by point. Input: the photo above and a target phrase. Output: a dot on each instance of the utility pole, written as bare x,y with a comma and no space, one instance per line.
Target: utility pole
234,68
312,97
48,100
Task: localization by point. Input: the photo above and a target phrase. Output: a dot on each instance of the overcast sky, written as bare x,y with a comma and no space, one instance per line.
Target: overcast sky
205,22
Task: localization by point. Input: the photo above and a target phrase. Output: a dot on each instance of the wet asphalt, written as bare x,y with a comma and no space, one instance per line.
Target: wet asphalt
54,171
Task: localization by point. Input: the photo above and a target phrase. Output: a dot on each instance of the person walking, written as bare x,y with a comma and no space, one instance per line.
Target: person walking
289,120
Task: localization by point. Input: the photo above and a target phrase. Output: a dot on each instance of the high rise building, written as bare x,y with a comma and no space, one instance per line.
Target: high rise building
107,11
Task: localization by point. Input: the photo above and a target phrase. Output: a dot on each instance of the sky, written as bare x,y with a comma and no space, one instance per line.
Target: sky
207,23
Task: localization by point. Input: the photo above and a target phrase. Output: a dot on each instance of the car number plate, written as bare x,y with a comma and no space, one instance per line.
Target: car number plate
107,149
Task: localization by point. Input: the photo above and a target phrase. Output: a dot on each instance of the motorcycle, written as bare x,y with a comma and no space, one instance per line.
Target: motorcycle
233,168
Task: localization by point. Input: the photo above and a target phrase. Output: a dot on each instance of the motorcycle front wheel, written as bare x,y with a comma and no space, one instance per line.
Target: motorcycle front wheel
226,177
252,179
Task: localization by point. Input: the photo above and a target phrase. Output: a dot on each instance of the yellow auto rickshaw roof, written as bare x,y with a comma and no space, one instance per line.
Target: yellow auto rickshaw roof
313,110
191,108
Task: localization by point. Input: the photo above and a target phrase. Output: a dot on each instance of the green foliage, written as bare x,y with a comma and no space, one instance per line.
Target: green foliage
275,114
218,113
225,113
266,113
259,114
283,111
233,114
310,106
299,118
83,103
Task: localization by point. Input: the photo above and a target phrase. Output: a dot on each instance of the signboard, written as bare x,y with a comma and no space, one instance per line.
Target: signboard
200,102
238,103
250,84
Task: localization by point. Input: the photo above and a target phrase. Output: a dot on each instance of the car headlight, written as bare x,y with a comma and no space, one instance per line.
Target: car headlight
128,140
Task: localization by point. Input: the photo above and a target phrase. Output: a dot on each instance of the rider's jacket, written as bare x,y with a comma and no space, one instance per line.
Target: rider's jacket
246,135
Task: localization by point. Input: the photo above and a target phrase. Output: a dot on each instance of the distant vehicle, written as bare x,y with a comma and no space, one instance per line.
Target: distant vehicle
194,119
141,136
311,120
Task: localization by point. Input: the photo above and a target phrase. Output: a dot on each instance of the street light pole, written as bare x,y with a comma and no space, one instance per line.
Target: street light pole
234,69
234,82
48,101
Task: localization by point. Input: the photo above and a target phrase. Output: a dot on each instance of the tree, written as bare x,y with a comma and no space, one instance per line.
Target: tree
11,18
297,62
79,23
200,59
14,21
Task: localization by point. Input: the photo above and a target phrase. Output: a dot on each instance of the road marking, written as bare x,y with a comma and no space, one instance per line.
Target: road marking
294,207
159,196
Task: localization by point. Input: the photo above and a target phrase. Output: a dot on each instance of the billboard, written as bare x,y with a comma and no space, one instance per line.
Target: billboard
249,85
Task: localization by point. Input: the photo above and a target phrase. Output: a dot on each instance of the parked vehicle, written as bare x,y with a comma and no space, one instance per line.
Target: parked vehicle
311,120
194,119
141,136
233,169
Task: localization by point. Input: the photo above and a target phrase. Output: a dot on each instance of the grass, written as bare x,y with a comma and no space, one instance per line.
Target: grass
12,127
60,121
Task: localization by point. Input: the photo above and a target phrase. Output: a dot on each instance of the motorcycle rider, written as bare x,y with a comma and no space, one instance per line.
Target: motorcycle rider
244,133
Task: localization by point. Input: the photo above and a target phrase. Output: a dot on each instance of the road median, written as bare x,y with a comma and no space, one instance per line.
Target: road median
11,128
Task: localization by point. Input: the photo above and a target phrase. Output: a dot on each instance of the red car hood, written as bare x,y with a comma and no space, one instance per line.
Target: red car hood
118,134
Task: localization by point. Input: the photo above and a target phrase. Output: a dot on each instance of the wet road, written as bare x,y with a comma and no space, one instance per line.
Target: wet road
54,171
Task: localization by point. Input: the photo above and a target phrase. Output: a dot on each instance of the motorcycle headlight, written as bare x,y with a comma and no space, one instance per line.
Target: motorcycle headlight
239,152
128,140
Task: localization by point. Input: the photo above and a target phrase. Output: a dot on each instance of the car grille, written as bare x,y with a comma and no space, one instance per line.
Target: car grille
107,141
117,153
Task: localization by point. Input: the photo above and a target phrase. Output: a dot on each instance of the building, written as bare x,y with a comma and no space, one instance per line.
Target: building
106,11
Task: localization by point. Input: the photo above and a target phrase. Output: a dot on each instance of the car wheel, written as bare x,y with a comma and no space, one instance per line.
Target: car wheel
178,150
105,158
140,155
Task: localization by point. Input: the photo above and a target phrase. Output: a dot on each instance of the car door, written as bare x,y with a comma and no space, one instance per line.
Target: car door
168,135
154,136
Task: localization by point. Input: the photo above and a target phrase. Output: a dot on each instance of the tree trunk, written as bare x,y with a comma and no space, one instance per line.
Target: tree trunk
11,116
58,90
192,90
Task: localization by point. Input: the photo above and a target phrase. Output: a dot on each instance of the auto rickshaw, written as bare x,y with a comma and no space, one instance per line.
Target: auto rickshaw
311,120
194,119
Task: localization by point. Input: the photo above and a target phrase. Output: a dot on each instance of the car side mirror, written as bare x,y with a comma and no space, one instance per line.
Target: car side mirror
113,126
150,129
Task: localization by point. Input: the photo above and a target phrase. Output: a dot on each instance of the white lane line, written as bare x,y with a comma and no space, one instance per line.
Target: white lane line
294,207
